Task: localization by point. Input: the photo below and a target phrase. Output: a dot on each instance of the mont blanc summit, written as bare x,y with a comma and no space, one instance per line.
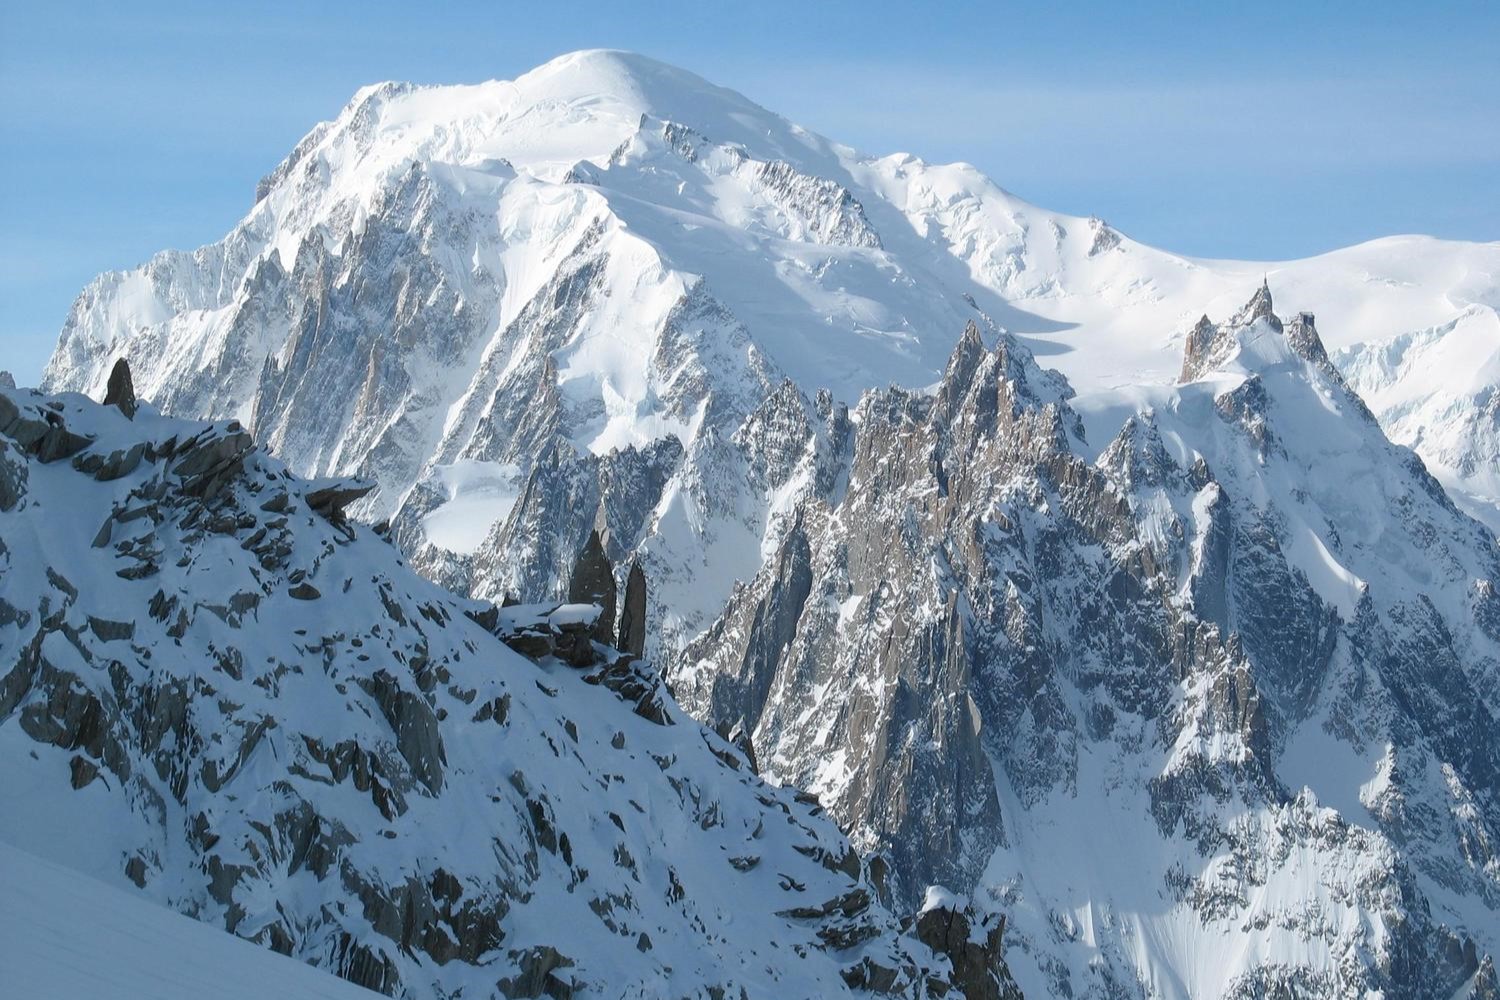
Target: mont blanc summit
1134,615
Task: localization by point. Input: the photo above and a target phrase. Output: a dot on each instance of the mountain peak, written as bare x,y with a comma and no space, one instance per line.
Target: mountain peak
592,79
1260,306
601,67
577,107
1243,339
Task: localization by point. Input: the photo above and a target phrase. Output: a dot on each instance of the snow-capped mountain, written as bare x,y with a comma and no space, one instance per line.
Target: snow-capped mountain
1437,390
602,268
1199,684
220,693
1133,623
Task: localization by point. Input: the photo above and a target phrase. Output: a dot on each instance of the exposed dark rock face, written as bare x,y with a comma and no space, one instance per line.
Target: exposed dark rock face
12,476
542,631
633,614
744,741
973,943
120,392
38,430
331,500
1106,238
543,973
593,582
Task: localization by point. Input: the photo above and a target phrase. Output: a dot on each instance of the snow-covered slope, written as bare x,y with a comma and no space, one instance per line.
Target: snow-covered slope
215,689
65,936
1437,390
605,266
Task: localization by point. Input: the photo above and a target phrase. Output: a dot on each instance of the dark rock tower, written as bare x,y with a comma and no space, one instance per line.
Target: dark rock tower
593,582
633,614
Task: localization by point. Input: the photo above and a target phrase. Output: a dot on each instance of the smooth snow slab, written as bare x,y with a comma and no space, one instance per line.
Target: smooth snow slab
64,935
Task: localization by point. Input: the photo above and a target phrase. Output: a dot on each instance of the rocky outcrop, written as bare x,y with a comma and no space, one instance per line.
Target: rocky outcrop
38,430
120,390
565,632
330,500
973,943
542,973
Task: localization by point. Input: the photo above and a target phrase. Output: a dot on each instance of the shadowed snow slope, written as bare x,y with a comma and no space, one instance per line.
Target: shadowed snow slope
65,935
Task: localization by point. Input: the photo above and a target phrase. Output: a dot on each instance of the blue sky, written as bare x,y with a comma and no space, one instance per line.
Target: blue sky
1261,131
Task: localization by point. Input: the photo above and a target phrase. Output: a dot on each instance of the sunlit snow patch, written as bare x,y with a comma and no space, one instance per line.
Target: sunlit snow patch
479,495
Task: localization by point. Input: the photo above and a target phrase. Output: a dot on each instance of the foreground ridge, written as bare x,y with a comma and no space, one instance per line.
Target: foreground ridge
273,725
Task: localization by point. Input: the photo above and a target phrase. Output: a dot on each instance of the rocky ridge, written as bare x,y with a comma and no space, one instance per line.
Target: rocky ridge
1017,638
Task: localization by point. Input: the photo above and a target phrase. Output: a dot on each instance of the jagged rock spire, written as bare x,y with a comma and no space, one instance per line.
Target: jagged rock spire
1260,306
968,354
1199,341
1302,334
7,381
1210,344
633,613
120,391
593,582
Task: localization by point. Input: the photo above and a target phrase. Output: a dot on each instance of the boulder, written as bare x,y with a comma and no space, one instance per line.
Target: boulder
540,972
330,500
46,437
534,643
82,771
